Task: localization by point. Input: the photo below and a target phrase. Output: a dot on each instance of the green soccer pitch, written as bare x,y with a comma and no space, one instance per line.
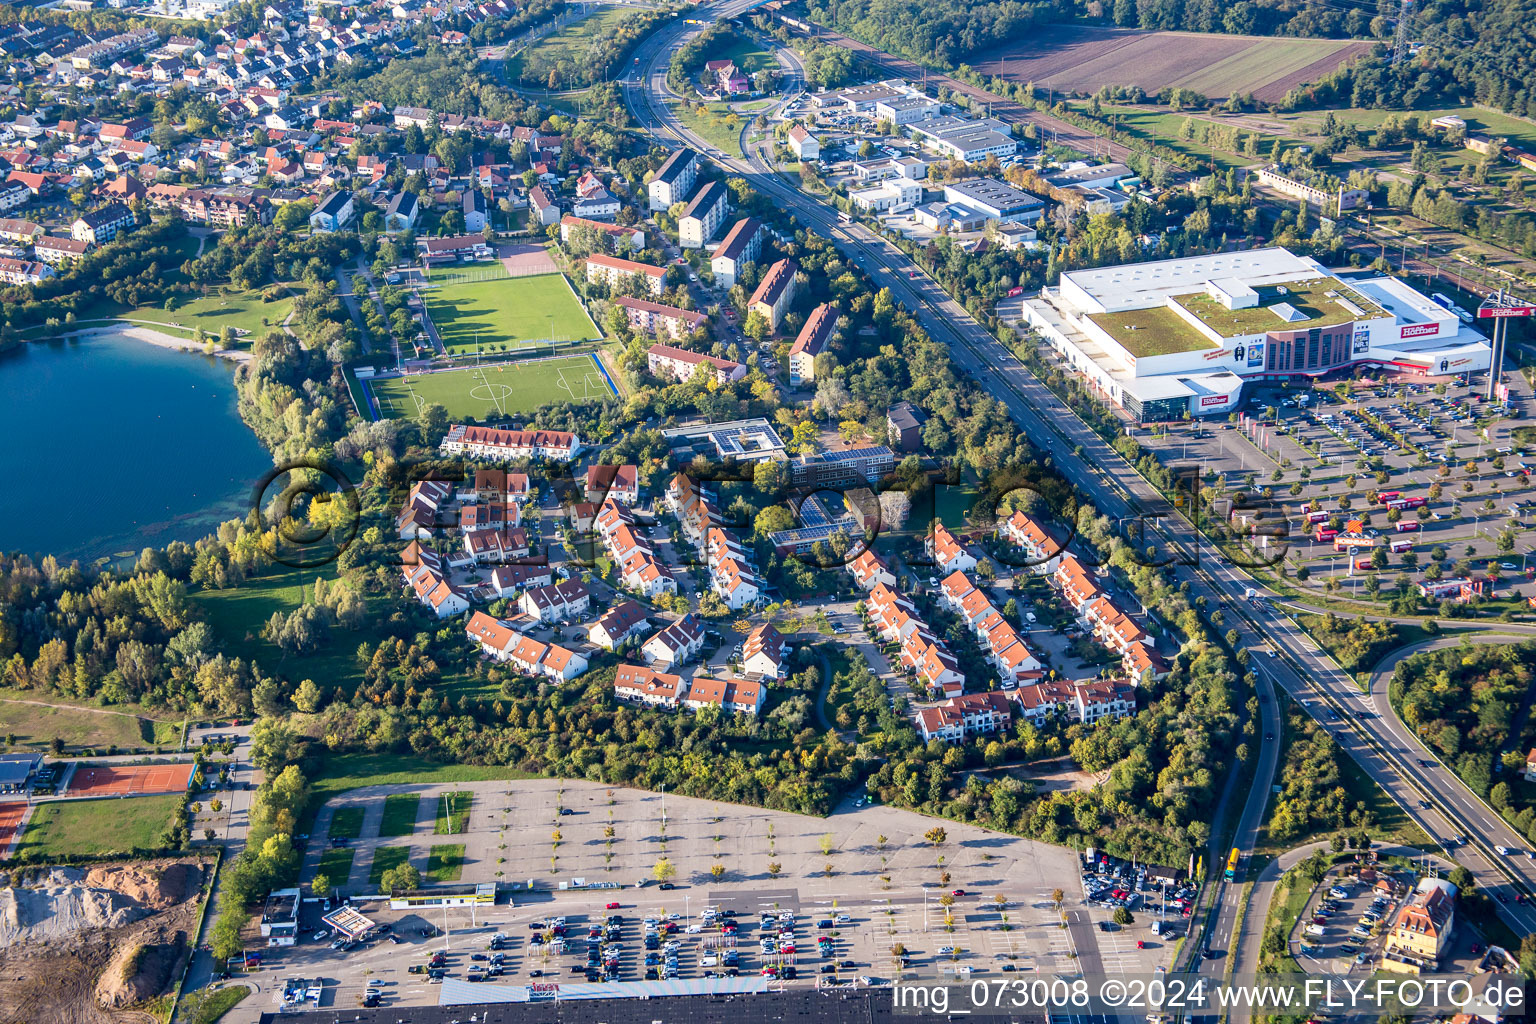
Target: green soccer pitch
482,305
492,390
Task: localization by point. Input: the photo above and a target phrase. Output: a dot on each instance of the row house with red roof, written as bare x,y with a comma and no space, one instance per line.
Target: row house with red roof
897,621
636,684
869,570
946,551
1111,626
1042,552
966,716
506,445
1001,644
523,653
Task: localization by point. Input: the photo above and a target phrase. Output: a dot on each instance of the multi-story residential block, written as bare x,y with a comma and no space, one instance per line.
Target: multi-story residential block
1104,698
612,234
812,340
704,217
400,214
100,226
58,252
558,603
334,212
474,208
659,320
615,272
23,271
680,364
740,246
673,180
775,293
765,653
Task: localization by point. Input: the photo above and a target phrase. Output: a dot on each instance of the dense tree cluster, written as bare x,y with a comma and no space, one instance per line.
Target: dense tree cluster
934,31
116,638
1462,702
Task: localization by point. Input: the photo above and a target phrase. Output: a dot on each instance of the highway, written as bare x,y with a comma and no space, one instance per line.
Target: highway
1116,489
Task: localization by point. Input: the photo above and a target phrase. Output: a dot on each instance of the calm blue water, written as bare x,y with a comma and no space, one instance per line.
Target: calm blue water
111,445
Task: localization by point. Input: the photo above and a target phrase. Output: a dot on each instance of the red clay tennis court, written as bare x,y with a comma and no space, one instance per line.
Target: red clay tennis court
118,779
11,813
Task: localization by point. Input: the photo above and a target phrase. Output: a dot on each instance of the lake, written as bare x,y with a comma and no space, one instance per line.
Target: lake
143,446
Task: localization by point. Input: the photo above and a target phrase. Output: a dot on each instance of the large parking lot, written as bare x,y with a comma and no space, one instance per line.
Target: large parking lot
865,878
1320,458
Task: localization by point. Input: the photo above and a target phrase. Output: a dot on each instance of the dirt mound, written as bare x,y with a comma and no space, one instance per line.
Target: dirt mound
61,912
138,971
156,886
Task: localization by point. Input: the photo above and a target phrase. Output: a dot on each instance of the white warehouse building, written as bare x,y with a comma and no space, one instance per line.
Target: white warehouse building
1183,335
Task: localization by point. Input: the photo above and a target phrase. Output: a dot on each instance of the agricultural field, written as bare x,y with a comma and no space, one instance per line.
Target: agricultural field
1080,58
95,828
482,308
493,390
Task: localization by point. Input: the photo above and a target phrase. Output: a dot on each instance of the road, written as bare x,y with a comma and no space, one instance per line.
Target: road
1116,489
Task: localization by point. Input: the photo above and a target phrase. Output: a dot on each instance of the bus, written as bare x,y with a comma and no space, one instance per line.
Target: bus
1232,864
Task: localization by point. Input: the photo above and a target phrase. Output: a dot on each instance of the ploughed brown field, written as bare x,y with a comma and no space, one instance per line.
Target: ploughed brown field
1080,58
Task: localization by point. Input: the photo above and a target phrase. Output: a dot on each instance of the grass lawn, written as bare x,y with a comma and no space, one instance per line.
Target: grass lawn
482,306
89,828
716,125
445,863
347,823
243,311
384,858
215,1003
569,44
35,726
354,771
400,814
1479,121
336,864
453,812
494,390
1161,127
746,54
237,615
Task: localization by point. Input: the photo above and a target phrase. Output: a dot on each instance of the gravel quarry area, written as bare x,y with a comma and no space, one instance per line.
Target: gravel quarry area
93,945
